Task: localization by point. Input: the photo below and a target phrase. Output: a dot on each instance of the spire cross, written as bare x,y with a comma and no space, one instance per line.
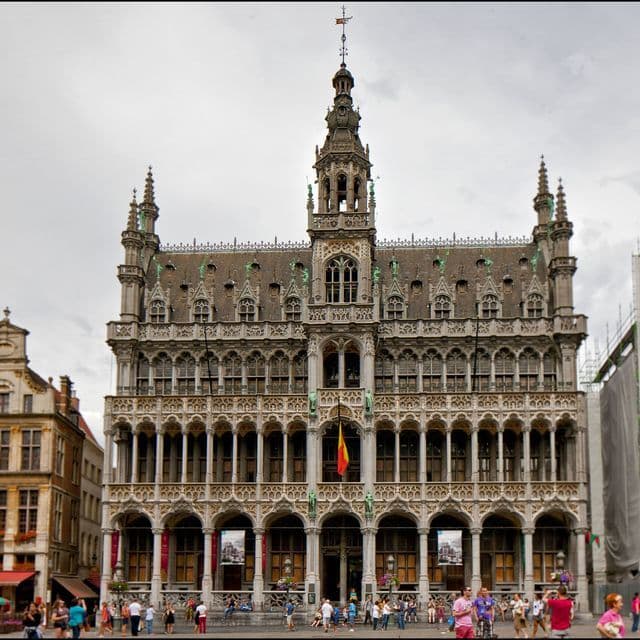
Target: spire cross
343,21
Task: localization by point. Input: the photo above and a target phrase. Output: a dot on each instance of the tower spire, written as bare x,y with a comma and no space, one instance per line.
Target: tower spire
149,196
343,21
543,182
543,201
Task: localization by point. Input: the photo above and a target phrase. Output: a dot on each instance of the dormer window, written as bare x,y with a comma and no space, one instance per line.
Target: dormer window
158,312
490,306
341,280
442,307
534,306
293,309
201,311
247,310
395,308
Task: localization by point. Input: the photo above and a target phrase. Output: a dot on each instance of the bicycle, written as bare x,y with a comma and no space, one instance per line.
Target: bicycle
485,629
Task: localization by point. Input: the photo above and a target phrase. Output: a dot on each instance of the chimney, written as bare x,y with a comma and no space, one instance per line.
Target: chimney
65,395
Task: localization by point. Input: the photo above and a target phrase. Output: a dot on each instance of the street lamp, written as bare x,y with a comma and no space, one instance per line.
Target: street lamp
560,559
391,564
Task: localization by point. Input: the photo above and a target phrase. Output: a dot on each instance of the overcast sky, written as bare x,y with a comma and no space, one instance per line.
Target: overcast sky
227,103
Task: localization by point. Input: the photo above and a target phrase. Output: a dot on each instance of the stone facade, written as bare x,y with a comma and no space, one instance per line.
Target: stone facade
450,365
43,442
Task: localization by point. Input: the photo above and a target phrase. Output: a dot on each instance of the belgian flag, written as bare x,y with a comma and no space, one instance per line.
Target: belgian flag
343,453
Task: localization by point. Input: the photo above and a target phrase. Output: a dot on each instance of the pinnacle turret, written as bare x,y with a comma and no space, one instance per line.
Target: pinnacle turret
149,196
132,221
543,201
561,207
543,182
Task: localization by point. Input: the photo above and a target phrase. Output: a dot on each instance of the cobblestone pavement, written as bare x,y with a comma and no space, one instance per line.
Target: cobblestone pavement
585,627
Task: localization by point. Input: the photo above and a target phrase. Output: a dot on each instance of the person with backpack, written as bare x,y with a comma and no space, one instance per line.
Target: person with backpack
289,608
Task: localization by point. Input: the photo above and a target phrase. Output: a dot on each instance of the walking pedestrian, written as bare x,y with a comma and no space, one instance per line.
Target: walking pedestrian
635,612
368,609
77,614
169,618
126,618
461,611
611,623
375,614
519,617
538,615
327,614
148,619
560,608
134,610
351,614
289,608
201,612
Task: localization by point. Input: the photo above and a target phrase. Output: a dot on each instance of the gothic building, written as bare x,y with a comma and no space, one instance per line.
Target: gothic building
451,367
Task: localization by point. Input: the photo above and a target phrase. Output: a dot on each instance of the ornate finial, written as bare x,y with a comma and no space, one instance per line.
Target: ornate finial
543,182
132,221
7,313
149,197
561,210
343,21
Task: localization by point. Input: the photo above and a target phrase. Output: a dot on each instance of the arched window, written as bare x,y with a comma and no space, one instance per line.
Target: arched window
549,371
326,194
385,455
486,454
408,456
293,309
456,371
163,369
186,374
157,311
351,366
341,280
255,373
384,372
505,367
209,374
509,446
408,372
233,374
342,192
395,308
432,371
481,372
247,310
459,456
356,194
300,373
279,373
434,456
442,307
535,306
490,306
142,376
529,366
201,311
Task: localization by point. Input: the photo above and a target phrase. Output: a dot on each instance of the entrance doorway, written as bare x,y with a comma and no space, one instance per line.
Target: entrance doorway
331,578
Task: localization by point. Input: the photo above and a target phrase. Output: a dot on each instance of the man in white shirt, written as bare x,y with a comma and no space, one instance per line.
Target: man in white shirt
134,612
201,610
327,614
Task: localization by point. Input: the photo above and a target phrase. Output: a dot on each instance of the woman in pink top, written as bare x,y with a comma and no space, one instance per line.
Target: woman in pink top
611,624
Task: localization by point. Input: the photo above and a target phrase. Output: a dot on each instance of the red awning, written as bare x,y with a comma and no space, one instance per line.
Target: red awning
76,587
14,578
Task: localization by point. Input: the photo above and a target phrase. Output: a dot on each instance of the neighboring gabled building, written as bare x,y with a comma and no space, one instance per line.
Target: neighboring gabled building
42,439
450,366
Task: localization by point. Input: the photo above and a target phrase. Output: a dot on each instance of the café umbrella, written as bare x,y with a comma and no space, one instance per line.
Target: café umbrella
3,601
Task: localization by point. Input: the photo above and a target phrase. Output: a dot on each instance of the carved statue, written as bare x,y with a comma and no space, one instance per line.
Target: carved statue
368,402
376,275
305,275
313,503
313,403
368,504
395,268
201,269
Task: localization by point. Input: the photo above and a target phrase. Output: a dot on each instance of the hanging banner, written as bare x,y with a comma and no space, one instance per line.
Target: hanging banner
450,547
264,553
115,541
232,547
164,551
214,551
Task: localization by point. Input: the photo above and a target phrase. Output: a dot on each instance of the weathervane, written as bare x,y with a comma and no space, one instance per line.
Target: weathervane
343,21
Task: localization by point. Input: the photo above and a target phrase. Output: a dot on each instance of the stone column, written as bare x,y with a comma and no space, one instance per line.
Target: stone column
476,576
552,446
134,458
185,456
528,532
258,576
285,455
474,453
526,437
396,454
422,451
156,575
234,454
581,572
500,453
207,576
108,451
423,575
368,558
448,435
209,471
260,453
105,578
159,462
